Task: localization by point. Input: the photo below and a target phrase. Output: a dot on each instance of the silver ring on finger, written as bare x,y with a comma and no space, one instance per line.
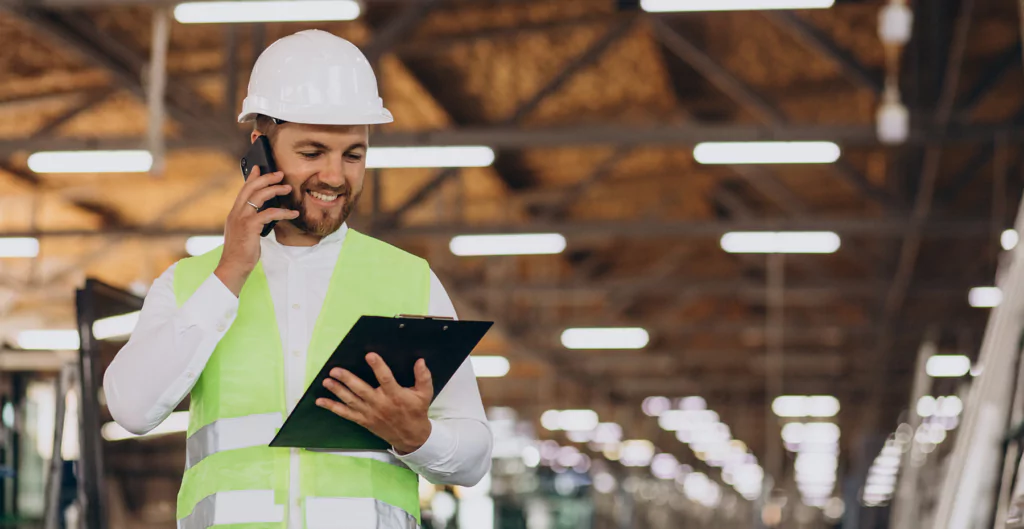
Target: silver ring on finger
254,206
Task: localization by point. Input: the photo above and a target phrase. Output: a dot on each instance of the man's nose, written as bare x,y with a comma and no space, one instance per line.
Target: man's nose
333,175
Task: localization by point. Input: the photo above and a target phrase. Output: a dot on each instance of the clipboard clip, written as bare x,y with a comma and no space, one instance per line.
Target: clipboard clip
424,317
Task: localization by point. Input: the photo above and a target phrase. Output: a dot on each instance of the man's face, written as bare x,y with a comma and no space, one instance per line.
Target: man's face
325,165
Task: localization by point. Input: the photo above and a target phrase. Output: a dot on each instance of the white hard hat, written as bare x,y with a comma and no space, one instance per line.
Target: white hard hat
317,78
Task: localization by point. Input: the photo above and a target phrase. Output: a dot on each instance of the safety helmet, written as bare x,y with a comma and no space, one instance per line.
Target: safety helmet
317,78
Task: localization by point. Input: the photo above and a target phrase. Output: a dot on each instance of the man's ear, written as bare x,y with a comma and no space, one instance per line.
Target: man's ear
255,134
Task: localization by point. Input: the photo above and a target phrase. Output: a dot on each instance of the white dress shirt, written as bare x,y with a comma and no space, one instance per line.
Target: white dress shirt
170,346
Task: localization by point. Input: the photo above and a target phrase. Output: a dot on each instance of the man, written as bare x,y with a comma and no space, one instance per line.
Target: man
245,328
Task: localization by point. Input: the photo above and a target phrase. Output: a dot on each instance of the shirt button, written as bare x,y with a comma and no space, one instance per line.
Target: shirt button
295,306
221,328
190,375
296,353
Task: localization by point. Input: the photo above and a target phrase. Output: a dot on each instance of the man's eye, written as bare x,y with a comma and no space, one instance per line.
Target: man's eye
310,155
354,157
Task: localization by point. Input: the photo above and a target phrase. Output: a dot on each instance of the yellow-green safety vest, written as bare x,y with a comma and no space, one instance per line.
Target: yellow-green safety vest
233,480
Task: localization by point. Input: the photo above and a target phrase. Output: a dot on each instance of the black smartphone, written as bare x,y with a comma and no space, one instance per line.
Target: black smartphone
261,155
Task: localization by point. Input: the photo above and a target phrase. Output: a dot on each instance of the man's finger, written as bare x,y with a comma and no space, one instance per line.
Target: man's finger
353,383
270,214
350,399
265,194
341,410
383,373
255,184
424,380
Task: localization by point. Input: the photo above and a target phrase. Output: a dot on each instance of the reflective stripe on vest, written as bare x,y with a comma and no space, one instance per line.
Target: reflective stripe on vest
355,513
231,424
234,507
256,430
229,434
257,507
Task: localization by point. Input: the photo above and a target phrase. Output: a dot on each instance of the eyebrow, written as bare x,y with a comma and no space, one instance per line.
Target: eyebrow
322,147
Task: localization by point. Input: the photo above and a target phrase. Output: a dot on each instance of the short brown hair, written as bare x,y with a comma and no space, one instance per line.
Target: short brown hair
265,125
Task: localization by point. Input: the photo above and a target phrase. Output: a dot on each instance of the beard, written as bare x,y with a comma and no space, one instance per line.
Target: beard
315,220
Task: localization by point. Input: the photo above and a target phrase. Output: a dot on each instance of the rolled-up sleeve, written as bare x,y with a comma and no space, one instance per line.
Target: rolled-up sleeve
458,450
167,351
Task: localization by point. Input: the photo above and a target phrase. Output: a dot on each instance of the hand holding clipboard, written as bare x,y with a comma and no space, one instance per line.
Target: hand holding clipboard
443,344
392,412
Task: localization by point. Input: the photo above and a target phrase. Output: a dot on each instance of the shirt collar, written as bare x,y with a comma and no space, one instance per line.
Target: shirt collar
336,237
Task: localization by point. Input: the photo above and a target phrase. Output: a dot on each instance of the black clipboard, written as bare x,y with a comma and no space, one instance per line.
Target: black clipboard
443,342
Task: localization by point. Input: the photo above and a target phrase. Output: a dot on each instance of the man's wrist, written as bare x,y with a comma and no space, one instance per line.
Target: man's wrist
231,278
417,438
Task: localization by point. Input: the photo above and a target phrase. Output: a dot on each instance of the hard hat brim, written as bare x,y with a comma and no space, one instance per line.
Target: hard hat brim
323,118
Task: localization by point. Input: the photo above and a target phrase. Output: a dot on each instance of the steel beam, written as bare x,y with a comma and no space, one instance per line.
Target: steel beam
910,248
817,40
994,72
797,293
559,207
738,385
671,328
124,64
515,137
89,100
396,29
392,218
856,227
108,216
570,69
717,75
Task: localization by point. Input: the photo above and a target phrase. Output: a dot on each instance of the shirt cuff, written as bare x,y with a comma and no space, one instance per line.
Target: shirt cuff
212,307
440,444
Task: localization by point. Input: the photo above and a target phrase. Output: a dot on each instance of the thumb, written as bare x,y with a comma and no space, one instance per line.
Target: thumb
424,381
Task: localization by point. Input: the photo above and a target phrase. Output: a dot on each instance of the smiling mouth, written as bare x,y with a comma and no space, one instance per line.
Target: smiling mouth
323,197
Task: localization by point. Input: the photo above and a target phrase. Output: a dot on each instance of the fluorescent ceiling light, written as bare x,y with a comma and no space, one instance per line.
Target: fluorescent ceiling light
985,297
401,157
49,340
820,432
926,406
636,453
507,244
605,338
19,247
569,420
490,366
260,11
91,162
669,6
693,403
200,244
950,406
689,420
780,242
115,326
769,152
577,420
1009,239
664,466
607,432
948,366
806,406
174,423
655,406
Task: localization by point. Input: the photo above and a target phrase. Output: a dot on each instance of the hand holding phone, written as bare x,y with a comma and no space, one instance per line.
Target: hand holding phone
260,157
250,215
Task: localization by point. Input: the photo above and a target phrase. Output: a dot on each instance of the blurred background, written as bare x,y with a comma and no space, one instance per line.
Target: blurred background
751,261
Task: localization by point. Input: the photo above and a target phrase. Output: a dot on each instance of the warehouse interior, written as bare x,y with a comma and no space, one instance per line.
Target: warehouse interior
882,342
